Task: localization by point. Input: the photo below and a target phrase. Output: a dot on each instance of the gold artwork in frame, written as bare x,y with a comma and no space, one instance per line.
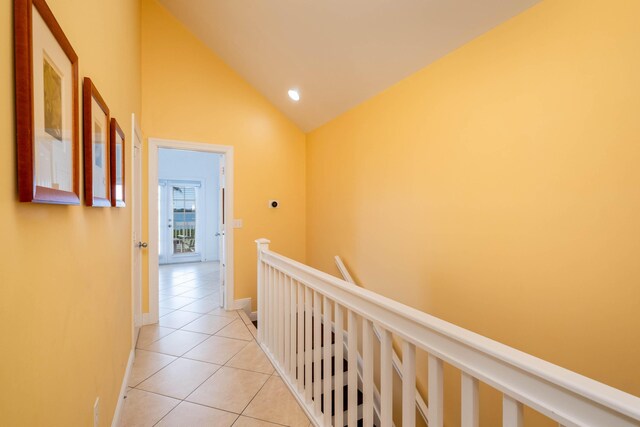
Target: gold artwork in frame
47,105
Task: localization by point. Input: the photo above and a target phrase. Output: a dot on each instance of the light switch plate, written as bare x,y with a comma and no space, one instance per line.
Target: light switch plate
237,223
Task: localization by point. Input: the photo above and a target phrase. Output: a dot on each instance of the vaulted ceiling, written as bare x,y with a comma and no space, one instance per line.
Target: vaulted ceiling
337,53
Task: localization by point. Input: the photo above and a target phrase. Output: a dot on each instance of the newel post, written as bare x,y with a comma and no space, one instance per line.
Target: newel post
263,245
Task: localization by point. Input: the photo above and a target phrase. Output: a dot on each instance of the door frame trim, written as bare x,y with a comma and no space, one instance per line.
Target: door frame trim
137,315
227,152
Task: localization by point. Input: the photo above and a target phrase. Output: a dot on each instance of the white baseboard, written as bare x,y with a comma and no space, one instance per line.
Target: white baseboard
243,304
148,319
138,319
123,390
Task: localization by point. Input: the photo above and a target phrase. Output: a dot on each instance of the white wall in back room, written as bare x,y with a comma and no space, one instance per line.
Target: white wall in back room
192,165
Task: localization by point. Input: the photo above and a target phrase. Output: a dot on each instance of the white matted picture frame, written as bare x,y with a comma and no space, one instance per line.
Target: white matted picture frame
117,165
96,135
47,105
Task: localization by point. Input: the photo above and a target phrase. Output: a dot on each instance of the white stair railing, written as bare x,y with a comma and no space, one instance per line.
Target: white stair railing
295,301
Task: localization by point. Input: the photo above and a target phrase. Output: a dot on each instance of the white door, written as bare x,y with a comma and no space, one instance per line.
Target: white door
138,244
221,237
179,221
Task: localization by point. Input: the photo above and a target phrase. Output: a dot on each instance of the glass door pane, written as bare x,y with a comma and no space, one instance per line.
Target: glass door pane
163,230
184,218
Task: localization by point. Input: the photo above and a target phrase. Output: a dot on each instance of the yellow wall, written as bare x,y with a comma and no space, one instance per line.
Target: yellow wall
498,188
189,94
65,298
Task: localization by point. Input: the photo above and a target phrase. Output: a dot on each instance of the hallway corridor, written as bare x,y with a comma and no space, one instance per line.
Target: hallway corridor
200,365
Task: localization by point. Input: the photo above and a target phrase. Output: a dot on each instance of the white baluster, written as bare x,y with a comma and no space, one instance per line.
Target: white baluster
283,322
308,384
386,379
274,313
367,376
326,321
287,324
408,384
262,245
339,366
264,326
436,398
352,374
292,330
317,352
301,352
280,316
511,412
265,314
272,303
470,403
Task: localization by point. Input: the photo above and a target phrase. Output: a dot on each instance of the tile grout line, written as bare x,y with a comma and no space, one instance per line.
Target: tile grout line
254,397
193,332
231,320
204,406
205,380
197,387
264,421
259,390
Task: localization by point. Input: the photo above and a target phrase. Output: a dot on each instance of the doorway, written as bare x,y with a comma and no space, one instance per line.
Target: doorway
190,210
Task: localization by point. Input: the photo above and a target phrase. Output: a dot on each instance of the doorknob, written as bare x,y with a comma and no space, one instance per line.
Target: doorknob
219,234
142,245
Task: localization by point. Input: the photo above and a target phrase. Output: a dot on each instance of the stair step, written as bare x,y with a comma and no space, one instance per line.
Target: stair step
345,399
302,325
345,368
345,415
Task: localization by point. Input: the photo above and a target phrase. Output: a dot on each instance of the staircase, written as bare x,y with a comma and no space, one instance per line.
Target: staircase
322,334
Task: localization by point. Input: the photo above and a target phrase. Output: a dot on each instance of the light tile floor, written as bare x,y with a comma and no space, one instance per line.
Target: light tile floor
201,365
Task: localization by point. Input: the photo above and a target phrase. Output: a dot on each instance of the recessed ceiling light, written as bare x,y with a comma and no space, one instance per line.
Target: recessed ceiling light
294,94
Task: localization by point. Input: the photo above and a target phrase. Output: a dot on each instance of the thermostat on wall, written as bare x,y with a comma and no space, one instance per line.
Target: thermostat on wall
274,204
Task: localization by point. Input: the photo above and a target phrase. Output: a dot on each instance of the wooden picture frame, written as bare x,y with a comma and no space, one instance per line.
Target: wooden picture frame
117,165
46,97
95,127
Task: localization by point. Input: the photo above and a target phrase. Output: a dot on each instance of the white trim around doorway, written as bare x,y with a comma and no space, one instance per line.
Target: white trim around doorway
134,198
227,152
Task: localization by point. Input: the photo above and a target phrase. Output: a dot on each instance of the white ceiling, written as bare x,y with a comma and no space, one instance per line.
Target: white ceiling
337,52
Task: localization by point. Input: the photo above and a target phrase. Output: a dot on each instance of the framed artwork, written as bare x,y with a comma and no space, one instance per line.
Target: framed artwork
117,165
95,127
46,77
